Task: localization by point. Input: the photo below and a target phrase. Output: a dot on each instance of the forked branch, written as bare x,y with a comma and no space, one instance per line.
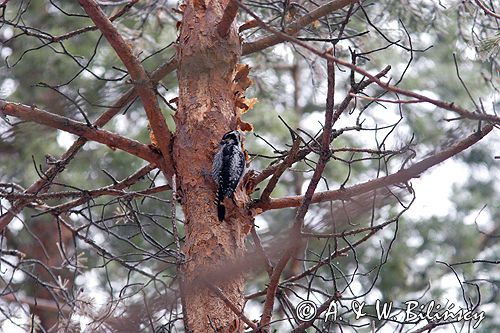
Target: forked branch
399,177
110,139
143,83
295,26
305,202
386,86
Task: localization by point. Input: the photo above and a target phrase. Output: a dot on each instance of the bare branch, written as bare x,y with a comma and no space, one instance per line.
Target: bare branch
287,162
486,10
341,108
103,119
295,26
401,176
143,85
110,139
45,304
130,180
306,200
395,101
444,105
56,39
231,305
227,19
260,250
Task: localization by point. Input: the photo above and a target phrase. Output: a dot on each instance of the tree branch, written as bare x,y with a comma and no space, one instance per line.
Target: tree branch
84,196
401,176
130,180
40,303
305,200
260,250
341,108
56,39
486,10
52,172
227,19
81,129
287,162
295,26
444,105
322,262
143,84
108,190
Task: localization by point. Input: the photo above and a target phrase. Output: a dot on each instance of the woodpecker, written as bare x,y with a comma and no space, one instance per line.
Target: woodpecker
228,168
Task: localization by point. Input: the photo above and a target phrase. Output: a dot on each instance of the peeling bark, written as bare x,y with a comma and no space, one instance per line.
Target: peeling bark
206,111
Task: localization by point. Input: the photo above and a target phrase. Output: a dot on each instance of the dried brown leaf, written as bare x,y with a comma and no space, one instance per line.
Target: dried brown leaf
244,126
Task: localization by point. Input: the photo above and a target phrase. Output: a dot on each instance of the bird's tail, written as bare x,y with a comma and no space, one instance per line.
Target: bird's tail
221,210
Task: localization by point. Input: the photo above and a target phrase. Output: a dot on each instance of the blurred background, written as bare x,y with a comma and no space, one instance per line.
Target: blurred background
118,260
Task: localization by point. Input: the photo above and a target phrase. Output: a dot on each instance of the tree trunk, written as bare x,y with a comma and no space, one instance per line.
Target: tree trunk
206,110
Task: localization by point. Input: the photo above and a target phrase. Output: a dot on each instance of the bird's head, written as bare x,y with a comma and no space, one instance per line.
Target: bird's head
233,137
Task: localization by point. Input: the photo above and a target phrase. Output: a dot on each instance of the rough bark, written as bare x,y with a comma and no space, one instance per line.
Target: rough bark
206,111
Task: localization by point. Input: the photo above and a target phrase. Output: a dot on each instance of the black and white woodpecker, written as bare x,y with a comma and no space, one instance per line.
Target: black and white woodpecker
228,168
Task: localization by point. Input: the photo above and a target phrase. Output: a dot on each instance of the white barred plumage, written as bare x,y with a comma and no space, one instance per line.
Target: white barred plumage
228,168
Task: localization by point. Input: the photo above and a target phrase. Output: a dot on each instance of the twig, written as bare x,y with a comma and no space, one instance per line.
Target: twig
295,26
395,101
444,105
40,303
56,39
287,162
341,108
486,10
42,184
143,84
110,139
260,250
401,176
305,202
92,193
